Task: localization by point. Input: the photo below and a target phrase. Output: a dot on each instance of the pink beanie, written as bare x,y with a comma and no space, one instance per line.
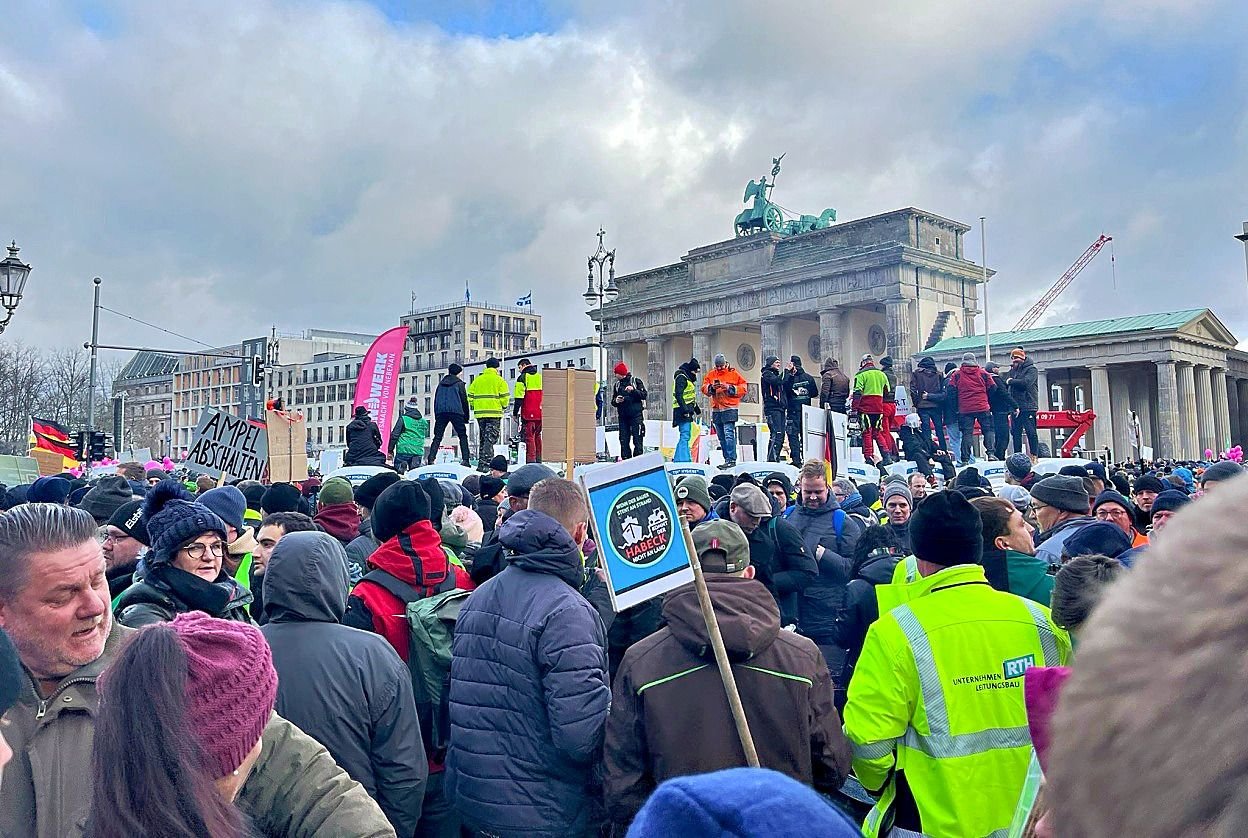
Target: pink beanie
470,521
1041,687
231,686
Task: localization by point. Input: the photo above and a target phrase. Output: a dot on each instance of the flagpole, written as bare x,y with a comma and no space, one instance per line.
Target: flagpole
503,367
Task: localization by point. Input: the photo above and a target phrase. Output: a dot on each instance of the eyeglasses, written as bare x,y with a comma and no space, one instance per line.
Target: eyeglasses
196,550
1036,506
1104,513
114,536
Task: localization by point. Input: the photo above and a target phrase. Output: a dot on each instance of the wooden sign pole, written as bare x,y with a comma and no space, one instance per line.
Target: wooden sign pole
571,424
721,654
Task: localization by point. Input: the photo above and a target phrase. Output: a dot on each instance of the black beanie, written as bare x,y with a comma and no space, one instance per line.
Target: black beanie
724,481
969,476
492,363
454,369
694,365
398,507
253,490
796,360
368,492
1148,483
129,519
489,486
946,530
437,500
281,497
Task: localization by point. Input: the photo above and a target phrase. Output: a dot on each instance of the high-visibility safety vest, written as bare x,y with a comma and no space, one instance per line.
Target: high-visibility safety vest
888,597
487,395
937,698
528,394
685,394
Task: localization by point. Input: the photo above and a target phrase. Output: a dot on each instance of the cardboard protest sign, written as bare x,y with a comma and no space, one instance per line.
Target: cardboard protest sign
288,453
633,513
225,445
16,471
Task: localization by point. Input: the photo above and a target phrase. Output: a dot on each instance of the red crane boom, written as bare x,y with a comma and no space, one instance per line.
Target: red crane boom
1035,312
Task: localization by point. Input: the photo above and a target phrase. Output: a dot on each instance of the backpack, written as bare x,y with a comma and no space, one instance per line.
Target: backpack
431,628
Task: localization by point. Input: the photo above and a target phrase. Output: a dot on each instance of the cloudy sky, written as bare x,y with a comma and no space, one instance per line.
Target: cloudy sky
231,165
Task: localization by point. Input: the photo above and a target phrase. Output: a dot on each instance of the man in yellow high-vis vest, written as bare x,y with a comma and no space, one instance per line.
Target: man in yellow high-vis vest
935,711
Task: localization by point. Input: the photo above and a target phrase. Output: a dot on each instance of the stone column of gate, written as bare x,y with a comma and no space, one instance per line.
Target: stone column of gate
830,338
703,351
1169,429
658,382
769,342
1221,411
1103,427
1042,403
898,334
1232,410
613,353
1142,401
1204,410
1188,437
1120,404
1241,385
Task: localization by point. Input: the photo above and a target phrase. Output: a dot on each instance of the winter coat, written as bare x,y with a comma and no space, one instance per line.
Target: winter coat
295,788
527,401
973,385
1049,544
725,388
410,431
346,689
488,395
870,387
862,608
834,389
341,520
949,404
926,380
824,598
664,722
360,548
629,404
1019,574
901,534
1021,380
166,592
800,390
529,693
818,526
772,391
363,443
450,398
487,509
999,398
782,564
120,579
684,406
629,626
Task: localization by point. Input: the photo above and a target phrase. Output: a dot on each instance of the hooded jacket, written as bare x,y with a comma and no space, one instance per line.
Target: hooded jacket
925,379
346,689
772,390
862,607
1019,574
529,693
341,520
409,431
488,395
165,592
834,386
359,549
295,788
665,721
824,598
999,398
725,388
973,385
782,563
363,443
800,389
1049,544
451,398
684,406
629,404
1022,383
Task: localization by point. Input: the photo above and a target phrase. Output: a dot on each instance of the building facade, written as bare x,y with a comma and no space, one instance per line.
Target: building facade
146,387
1177,376
323,390
885,284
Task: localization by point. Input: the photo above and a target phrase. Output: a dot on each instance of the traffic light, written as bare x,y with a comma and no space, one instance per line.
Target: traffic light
99,440
257,371
81,446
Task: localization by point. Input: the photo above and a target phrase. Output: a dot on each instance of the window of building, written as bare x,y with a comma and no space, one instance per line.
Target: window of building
459,336
407,363
428,407
402,382
474,354
489,341
488,322
342,411
320,414
446,321
429,360
459,318
342,430
532,343
319,437
532,325
474,337
474,318
428,380
351,391
305,376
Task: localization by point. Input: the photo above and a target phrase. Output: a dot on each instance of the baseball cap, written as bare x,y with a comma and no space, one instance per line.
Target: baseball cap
722,547
752,500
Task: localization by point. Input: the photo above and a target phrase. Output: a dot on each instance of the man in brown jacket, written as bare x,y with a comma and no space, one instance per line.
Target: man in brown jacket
54,605
669,715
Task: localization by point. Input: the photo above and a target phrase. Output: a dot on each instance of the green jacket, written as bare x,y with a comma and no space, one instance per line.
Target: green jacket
488,396
296,788
1029,577
410,433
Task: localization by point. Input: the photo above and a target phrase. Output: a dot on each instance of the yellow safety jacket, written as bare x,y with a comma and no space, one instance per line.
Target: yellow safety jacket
487,395
937,699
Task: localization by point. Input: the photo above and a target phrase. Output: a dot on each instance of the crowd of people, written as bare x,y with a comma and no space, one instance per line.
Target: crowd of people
436,658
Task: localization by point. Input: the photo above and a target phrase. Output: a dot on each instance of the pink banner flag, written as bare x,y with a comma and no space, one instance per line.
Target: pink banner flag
379,380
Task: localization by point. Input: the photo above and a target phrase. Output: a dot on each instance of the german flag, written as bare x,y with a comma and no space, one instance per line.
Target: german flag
52,436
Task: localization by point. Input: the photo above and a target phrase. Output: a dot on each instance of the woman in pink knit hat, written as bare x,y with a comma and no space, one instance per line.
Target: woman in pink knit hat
181,715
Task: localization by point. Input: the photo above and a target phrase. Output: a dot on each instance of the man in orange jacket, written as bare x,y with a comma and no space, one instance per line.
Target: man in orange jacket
725,387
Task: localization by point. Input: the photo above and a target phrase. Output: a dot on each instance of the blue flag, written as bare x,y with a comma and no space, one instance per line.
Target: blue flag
526,300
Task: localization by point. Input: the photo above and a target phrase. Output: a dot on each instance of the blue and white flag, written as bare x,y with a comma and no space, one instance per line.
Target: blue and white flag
526,300
467,294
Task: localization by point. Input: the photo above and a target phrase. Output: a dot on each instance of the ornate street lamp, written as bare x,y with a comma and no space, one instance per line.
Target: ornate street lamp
596,295
13,273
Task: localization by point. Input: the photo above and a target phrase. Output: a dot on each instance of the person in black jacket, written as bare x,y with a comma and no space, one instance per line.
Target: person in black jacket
347,689
775,403
1003,407
875,556
800,389
363,442
782,563
1022,382
450,407
629,397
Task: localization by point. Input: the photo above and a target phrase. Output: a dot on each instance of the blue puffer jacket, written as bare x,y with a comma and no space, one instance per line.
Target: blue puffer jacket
529,692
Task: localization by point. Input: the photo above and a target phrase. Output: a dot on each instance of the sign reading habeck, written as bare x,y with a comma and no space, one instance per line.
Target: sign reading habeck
227,445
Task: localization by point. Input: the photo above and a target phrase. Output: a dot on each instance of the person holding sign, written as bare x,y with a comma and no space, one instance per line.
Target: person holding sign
667,716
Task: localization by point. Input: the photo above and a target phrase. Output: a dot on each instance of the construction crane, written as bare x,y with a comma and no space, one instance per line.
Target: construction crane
1037,311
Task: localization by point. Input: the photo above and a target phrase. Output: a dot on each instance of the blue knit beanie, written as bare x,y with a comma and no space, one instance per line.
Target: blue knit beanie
229,504
174,518
49,490
739,802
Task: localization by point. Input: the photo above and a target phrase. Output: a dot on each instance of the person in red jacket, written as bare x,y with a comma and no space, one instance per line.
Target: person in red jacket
973,385
527,407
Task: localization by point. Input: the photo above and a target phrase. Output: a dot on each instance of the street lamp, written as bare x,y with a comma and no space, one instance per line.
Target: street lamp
596,295
1243,237
13,273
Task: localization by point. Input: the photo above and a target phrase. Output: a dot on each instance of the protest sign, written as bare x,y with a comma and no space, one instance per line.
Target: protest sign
226,446
134,455
633,513
288,454
355,475
16,471
440,471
